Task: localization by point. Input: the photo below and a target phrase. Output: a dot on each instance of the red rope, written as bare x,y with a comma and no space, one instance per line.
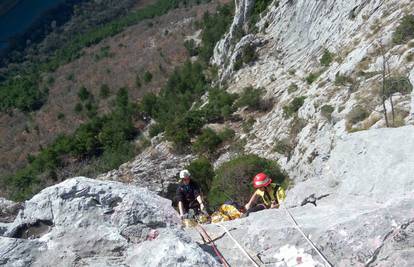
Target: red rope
219,255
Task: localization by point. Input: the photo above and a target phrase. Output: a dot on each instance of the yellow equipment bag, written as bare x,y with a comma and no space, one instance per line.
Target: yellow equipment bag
217,217
225,213
230,211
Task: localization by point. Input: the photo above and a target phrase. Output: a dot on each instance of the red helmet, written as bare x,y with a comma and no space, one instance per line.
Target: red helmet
261,180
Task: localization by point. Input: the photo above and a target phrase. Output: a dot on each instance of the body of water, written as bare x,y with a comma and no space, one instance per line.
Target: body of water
19,19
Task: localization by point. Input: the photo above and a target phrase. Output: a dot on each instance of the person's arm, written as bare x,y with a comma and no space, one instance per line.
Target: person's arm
181,208
200,200
252,200
179,197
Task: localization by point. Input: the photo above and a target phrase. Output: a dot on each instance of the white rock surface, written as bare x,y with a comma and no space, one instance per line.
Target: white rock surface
290,48
85,222
363,214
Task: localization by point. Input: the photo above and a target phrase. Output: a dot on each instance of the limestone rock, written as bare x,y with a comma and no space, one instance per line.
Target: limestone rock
8,210
292,38
156,168
96,223
361,213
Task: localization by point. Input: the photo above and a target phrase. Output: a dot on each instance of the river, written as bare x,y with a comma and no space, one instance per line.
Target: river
20,17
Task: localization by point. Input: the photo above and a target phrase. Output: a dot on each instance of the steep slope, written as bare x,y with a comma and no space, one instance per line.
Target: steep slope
358,211
154,46
352,190
342,96
360,183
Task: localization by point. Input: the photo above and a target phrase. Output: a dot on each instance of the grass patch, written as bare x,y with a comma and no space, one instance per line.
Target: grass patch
313,76
251,98
326,58
326,111
357,114
404,31
292,88
293,107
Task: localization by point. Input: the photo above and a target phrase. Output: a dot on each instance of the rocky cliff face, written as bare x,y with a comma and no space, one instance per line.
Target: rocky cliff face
84,222
292,37
156,168
358,212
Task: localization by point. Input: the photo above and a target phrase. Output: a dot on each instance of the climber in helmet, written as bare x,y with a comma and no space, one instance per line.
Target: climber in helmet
188,195
270,193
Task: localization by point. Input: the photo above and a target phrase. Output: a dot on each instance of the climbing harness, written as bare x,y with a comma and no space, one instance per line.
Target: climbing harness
307,239
205,236
238,245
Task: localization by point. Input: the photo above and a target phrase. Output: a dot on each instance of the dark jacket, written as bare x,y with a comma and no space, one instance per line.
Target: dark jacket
187,194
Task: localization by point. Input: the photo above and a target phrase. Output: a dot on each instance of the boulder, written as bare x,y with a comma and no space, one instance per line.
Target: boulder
8,210
97,223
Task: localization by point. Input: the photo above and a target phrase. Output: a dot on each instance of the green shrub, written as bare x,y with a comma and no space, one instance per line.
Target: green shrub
60,116
22,92
149,104
84,94
147,77
107,138
227,134
78,108
202,172
294,106
104,91
251,97
248,55
259,7
326,58
191,47
155,129
292,88
214,26
357,114
283,147
220,105
233,179
104,52
342,79
238,64
70,77
326,111
50,80
312,77
31,97
397,84
405,31
207,142
247,125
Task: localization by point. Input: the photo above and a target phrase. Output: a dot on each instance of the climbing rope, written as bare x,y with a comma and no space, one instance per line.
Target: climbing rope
307,239
238,245
204,234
